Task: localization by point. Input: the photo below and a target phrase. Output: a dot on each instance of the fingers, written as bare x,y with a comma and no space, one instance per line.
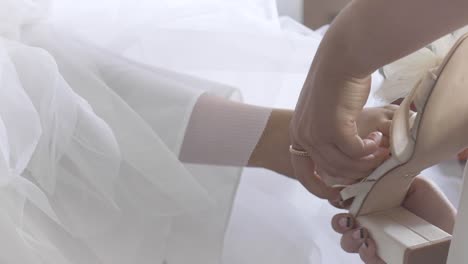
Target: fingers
424,199
378,156
368,252
347,158
369,146
376,137
381,154
340,160
375,119
304,170
353,237
342,223
352,240
356,147
385,142
384,127
340,204
371,119
356,239
337,168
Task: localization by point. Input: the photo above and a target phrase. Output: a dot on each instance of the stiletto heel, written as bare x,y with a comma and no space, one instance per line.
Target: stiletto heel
418,141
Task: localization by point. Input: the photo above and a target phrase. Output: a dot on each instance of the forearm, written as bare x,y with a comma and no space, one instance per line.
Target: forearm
272,150
369,34
221,132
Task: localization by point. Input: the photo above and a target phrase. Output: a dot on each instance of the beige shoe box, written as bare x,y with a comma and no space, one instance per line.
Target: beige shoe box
404,238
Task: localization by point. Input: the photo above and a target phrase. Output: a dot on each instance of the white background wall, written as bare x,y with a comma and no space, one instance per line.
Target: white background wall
292,8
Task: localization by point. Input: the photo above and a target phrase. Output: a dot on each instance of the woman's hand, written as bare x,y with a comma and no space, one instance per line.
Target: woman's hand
370,119
326,125
424,199
376,119
272,150
334,138
364,37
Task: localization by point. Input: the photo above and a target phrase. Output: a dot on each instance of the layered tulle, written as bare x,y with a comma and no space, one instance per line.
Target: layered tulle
89,141
95,99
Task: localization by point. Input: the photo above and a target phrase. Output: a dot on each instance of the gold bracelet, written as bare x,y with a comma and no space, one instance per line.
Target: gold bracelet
296,152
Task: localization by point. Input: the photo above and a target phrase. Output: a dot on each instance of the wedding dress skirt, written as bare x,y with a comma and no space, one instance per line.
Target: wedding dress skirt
89,143
89,156
94,104
91,127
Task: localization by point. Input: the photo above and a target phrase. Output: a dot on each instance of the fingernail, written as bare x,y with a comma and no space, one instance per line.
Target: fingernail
345,222
358,234
371,144
374,136
364,246
369,141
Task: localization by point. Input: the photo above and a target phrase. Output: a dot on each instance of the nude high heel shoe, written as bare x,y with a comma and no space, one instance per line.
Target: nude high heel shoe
437,131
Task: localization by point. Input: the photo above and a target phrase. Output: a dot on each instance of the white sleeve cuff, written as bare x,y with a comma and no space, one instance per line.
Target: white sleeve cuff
221,132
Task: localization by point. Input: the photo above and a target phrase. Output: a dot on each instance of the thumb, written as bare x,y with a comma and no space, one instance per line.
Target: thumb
356,147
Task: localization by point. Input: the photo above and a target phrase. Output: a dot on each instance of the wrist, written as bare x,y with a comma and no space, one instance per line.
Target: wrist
343,52
272,150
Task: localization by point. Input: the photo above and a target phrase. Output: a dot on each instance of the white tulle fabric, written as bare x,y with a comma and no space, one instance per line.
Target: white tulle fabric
96,97
88,162
238,43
